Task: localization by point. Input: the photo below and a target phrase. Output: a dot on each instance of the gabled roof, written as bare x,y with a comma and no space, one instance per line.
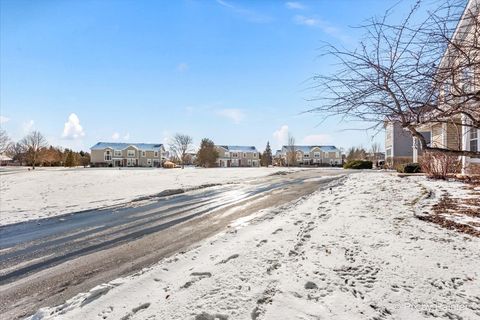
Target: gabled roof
123,145
239,148
306,149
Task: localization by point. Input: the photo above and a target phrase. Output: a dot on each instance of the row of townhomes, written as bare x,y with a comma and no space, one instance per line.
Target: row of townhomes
309,156
237,156
111,154
455,133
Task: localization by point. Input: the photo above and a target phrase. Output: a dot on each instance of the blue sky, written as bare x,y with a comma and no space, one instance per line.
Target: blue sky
140,71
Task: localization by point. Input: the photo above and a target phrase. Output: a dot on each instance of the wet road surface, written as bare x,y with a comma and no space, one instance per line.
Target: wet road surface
47,261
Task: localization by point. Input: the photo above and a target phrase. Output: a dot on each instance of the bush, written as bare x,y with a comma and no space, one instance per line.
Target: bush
440,165
358,164
410,168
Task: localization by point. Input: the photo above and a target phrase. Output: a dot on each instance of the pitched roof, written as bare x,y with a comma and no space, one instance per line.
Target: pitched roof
123,145
240,148
306,149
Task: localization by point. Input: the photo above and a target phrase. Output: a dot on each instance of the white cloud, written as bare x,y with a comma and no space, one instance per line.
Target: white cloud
316,139
72,128
281,135
28,126
249,15
126,136
325,26
236,115
294,5
306,21
115,136
4,119
182,67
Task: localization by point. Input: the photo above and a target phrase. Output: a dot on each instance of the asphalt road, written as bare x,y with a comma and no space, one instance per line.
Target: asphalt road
45,262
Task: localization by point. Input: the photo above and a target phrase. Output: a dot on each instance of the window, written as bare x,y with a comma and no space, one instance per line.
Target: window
144,154
249,162
244,155
254,155
130,153
473,139
235,155
155,154
306,155
108,155
117,153
149,162
316,154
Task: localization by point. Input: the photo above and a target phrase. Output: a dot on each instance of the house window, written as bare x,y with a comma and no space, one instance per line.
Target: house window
144,154
249,162
117,153
244,155
108,155
473,140
254,155
235,155
156,154
306,155
130,153
149,162
316,154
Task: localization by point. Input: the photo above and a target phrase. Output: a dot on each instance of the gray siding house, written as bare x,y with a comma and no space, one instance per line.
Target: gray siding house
312,155
399,144
114,154
237,156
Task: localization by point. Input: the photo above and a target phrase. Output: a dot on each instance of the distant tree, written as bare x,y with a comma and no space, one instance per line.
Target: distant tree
207,155
266,158
356,153
84,158
70,159
180,145
34,142
291,158
53,156
17,152
4,141
374,150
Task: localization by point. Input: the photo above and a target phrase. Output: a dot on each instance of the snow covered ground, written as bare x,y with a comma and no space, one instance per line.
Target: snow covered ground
357,252
27,195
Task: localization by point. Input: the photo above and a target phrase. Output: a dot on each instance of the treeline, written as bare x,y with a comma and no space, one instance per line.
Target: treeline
33,150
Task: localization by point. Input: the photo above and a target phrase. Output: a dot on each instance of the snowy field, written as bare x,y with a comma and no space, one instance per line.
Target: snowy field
27,195
357,252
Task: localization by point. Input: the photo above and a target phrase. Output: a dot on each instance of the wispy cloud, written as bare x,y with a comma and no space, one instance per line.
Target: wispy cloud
294,5
126,137
72,128
250,15
236,115
323,25
182,67
116,136
28,126
4,119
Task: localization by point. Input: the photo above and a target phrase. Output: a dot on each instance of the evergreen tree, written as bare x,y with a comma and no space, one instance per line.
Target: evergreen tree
266,159
70,161
207,155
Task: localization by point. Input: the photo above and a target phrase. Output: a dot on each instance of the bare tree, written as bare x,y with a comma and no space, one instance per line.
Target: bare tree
180,145
17,152
375,150
412,73
291,156
33,143
4,141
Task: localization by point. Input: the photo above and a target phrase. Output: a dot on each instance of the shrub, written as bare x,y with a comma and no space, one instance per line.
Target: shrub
440,165
358,164
410,168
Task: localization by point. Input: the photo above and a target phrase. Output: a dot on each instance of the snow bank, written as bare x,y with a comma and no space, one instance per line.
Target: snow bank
357,252
28,195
